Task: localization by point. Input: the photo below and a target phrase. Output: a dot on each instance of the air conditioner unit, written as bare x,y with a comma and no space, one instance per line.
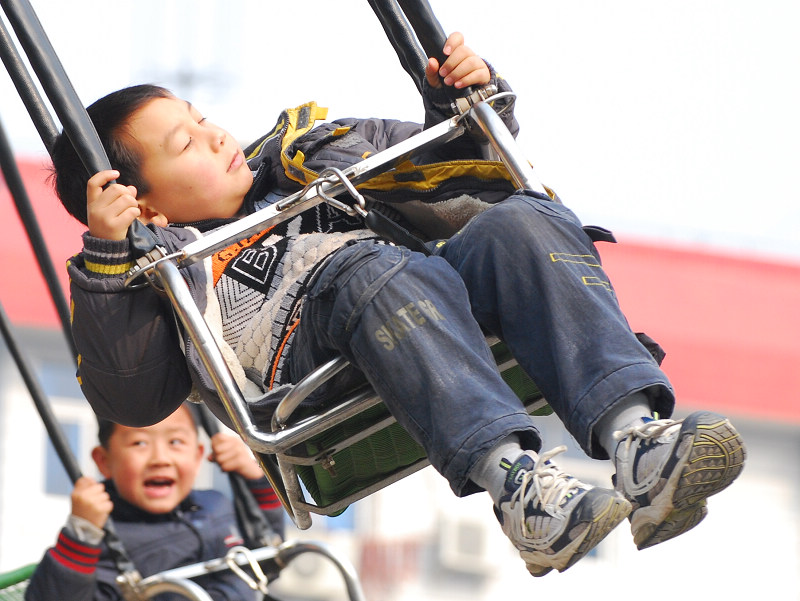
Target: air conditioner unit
472,544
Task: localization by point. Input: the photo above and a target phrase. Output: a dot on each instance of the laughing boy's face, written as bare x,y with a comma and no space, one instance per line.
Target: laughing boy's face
154,467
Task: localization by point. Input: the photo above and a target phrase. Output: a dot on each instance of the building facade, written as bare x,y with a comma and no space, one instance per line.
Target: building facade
729,326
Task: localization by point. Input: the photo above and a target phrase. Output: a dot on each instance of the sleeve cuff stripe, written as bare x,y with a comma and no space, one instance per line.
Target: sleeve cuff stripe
107,269
70,563
265,493
70,546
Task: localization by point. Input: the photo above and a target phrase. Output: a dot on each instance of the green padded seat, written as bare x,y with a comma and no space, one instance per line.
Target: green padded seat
390,449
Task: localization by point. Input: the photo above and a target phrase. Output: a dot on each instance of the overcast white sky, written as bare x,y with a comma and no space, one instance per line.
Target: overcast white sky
661,120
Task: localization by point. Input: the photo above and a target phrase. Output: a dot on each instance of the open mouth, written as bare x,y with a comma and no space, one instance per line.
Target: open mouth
159,484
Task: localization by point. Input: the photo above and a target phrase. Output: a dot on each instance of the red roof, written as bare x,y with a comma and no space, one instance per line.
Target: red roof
730,325
24,294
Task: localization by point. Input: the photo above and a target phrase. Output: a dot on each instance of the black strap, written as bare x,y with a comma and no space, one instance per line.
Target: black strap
83,136
59,440
402,38
415,34
427,28
23,204
392,231
253,524
66,104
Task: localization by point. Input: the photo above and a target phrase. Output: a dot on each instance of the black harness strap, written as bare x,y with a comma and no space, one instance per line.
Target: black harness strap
66,104
255,528
402,38
83,136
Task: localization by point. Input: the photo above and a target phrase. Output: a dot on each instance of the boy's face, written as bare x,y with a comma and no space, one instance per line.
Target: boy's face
155,467
195,169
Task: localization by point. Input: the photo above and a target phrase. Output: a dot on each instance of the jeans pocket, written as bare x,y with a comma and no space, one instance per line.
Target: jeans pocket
332,272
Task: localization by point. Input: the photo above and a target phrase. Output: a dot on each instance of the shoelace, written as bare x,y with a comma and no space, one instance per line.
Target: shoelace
647,431
549,485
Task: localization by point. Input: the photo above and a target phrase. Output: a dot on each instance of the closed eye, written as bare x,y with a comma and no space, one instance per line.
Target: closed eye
189,143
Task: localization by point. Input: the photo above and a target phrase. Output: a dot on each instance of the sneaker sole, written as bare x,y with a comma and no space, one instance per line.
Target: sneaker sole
709,457
608,512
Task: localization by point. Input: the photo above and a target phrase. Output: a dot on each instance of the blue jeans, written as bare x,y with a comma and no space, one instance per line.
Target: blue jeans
523,270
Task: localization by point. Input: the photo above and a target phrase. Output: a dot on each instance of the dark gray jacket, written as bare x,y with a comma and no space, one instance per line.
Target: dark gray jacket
134,366
202,527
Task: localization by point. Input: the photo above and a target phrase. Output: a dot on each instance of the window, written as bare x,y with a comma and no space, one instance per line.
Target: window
58,379
57,480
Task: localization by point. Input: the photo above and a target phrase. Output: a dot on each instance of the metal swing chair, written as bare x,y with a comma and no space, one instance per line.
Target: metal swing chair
354,447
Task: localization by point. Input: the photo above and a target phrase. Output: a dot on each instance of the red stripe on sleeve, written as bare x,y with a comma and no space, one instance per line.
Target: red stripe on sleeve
75,555
266,498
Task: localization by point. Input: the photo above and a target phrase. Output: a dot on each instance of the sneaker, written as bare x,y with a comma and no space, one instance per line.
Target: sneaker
552,517
667,469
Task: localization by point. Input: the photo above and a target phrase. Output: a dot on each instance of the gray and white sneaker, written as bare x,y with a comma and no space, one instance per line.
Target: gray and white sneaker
668,468
551,517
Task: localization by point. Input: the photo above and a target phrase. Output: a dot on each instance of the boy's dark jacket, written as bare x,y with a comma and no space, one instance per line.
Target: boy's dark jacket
202,527
134,366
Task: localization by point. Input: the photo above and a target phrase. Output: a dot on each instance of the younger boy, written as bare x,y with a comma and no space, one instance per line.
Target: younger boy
321,285
161,521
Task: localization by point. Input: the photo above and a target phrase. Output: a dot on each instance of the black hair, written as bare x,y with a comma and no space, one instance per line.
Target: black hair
110,116
105,427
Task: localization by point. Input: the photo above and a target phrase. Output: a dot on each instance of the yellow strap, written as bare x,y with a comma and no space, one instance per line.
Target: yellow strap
310,112
435,174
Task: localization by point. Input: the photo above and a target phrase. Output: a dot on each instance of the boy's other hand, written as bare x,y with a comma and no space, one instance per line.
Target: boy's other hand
90,501
461,69
110,211
232,455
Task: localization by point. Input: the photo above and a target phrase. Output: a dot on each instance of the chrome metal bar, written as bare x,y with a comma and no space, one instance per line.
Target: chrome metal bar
343,503
196,327
316,424
505,146
213,565
232,399
289,551
282,555
186,588
294,493
305,387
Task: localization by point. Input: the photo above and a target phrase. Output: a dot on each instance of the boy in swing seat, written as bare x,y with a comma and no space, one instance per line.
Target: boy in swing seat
321,284
160,519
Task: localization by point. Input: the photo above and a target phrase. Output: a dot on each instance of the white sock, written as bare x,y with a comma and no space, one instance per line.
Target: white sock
625,413
488,473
